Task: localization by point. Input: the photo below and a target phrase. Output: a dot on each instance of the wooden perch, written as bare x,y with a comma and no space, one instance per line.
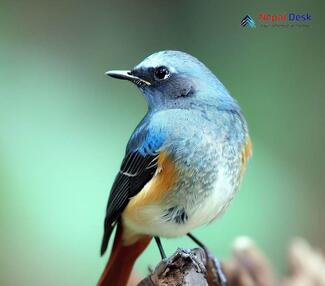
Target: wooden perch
247,266
184,267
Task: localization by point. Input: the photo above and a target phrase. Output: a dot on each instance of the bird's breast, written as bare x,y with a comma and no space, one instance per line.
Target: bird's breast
188,190
199,171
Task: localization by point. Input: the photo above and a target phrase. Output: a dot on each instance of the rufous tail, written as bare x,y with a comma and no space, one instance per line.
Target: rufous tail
121,260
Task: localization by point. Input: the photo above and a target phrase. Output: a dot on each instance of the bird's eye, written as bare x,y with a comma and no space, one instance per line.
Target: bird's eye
161,73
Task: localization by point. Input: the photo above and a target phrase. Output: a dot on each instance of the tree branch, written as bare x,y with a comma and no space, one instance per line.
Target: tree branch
247,266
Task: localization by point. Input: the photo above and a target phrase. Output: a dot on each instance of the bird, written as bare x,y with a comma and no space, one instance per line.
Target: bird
183,163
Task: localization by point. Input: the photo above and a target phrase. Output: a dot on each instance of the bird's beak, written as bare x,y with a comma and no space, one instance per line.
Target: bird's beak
127,75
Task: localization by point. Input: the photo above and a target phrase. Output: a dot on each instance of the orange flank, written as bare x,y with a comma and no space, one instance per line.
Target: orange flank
154,191
246,153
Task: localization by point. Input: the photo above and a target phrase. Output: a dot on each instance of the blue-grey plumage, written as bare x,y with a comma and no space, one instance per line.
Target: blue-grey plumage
194,122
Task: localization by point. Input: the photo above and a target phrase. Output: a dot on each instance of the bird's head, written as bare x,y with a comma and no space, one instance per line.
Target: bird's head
174,79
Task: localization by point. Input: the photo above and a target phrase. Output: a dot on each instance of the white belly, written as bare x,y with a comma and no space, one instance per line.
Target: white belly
209,209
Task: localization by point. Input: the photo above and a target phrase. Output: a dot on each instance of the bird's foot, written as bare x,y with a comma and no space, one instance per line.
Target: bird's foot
182,254
215,274
187,267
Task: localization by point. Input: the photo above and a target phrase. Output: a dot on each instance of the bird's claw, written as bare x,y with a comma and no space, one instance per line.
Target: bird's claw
181,253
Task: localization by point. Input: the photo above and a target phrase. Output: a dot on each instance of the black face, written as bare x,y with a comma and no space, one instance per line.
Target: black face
164,83
155,76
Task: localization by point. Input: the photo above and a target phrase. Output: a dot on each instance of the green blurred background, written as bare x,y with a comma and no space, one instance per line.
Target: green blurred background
64,125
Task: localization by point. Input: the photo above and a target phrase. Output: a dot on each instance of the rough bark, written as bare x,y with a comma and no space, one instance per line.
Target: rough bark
247,266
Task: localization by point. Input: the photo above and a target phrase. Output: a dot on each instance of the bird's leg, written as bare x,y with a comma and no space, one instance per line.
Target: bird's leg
198,242
161,250
211,259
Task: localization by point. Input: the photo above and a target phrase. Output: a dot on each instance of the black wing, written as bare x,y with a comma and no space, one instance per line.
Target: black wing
136,170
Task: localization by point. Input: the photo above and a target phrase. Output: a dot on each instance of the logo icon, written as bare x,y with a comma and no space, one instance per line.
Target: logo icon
248,22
